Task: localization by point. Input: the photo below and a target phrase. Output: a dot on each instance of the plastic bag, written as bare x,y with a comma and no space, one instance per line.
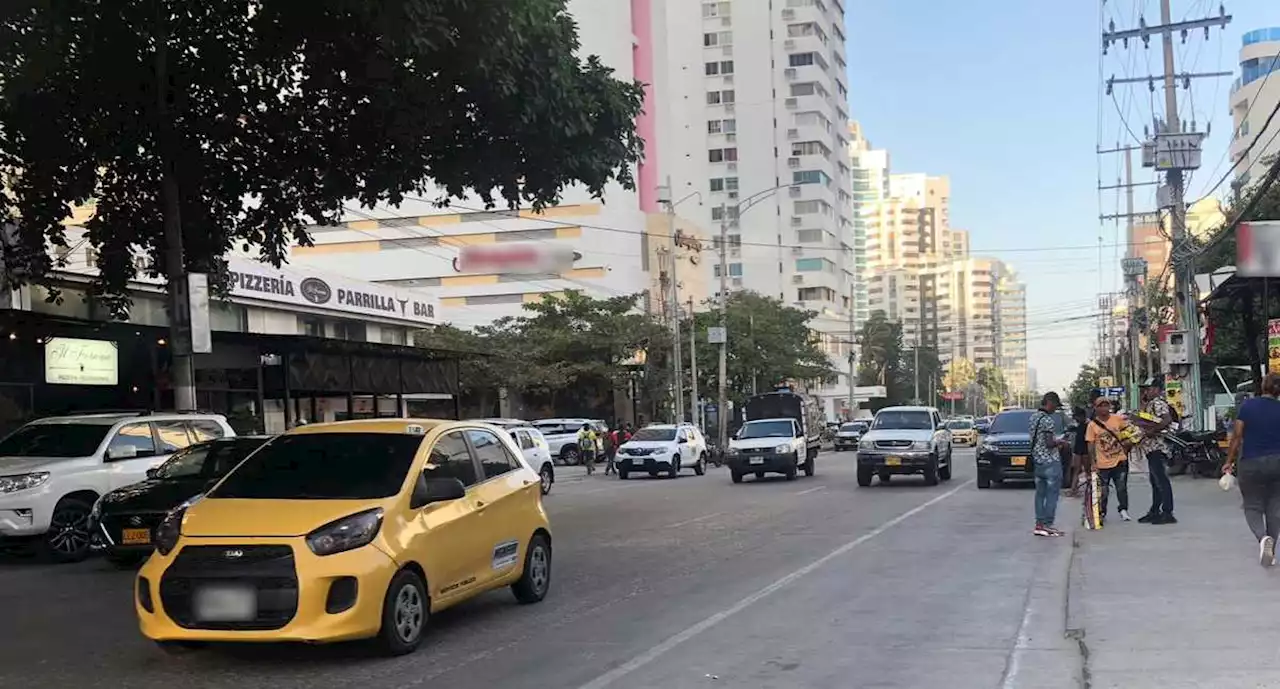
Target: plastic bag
1227,482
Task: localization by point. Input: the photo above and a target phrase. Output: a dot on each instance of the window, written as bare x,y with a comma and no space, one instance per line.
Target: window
731,183
809,236
393,335
710,40
803,89
721,67
223,457
324,466
720,212
203,430
800,59
524,439
133,440
495,458
714,127
809,148
712,68
730,126
716,9
451,458
173,436
720,97
721,155
353,331
189,463
726,66
735,270
727,96
810,177
809,207
717,184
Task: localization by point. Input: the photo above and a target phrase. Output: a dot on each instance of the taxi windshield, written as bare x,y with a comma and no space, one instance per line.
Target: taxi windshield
324,466
960,425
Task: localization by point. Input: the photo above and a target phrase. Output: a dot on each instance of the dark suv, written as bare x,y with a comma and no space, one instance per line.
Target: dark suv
1004,453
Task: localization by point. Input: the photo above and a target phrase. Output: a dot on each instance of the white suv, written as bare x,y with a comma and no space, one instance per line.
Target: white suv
52,471
663,447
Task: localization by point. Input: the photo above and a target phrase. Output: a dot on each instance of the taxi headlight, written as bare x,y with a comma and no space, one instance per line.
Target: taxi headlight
346,534
170,529
17,482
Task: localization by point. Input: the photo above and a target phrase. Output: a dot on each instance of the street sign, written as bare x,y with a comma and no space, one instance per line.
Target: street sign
1106,382
1134,267
953,396
717,335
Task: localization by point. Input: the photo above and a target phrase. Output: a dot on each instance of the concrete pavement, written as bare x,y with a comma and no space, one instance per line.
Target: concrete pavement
1183,605
696,582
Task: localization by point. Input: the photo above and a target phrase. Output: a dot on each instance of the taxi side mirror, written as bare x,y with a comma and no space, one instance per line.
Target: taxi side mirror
428,491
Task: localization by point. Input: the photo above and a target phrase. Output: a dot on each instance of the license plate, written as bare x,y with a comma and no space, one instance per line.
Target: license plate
1018,461
756,460
225,603
135,537
892,461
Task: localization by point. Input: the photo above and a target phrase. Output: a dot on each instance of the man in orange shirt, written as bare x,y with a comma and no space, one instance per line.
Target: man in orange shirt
1108,452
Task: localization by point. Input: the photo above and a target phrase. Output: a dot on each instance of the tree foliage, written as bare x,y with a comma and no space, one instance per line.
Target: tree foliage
994,388
961,373
880,358
1086,380
768,343
257,118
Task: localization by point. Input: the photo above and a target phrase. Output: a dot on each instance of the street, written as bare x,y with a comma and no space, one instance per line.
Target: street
693,582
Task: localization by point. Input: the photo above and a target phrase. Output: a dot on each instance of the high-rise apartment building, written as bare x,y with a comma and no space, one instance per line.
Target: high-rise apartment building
869,170
1254,97
984,316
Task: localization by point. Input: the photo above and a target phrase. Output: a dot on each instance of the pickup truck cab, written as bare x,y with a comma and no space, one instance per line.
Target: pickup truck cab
763,446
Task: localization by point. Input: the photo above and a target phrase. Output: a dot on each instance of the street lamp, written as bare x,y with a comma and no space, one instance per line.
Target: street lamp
741,207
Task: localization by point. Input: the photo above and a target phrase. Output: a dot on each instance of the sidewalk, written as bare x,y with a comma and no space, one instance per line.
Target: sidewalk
1174,606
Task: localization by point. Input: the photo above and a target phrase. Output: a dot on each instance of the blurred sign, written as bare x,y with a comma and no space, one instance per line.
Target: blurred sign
201,333
1258,249
1173,394
1106,382
1134,267
717,335
953,396
1273,345
515,258
1174,350
70,361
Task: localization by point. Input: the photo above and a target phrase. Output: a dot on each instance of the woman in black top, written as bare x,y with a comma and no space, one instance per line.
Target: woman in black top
1079,452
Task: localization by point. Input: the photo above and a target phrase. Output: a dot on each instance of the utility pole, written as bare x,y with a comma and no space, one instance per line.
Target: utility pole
1174,149
853,336
693,367
722,403
677,356
915,367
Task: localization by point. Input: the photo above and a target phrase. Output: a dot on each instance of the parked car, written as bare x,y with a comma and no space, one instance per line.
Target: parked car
562,436
776,446
849,434
362,530
1005,451
905,440
981,425
126,517
53,470
963,432
662,448
536,452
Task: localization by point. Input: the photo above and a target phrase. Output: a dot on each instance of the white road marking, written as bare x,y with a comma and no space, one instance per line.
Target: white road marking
811,490
694,520
1021,645
672,642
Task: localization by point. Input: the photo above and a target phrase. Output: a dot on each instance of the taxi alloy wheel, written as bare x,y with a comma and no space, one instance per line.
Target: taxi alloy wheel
534,583
405,613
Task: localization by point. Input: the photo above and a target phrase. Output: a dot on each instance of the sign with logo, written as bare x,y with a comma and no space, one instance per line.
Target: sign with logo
717,335
303,287
70,361
515,258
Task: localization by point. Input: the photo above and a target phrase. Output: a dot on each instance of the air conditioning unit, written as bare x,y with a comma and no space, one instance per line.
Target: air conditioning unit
737,282
731,137
797,279
797,250
793,162
728,78
796,221
726,21
795,192
790,103
733,223
730,108
793,133
735,252
788,14
789,73
727,50
733,166
789,44
733,194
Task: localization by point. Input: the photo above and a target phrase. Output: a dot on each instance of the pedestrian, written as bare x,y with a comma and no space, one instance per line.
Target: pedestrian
611,455
587,448
1079,451
1048,464
1155,418
1254,456
1109,456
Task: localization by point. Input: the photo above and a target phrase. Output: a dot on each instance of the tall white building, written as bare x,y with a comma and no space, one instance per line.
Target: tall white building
1253,98
869,169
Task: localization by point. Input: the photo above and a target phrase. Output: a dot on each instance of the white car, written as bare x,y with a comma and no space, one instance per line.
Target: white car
663,448
52,471
533,445
905,440
763,446
562,436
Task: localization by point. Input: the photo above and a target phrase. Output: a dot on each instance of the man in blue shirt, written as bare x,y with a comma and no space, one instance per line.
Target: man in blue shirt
1048,464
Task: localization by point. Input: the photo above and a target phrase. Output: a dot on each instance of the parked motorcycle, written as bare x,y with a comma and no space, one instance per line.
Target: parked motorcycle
1197,452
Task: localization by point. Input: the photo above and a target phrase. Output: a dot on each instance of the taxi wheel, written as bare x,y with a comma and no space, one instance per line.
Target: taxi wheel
405,612
546,478
533,585
700,467
674,471
179,648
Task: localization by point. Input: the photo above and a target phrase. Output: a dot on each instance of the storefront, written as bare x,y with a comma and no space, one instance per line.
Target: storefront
289,346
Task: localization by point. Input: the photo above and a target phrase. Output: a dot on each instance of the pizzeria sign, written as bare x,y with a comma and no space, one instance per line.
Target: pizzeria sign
313,289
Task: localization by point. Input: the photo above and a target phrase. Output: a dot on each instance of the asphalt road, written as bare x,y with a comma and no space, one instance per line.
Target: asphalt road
693,582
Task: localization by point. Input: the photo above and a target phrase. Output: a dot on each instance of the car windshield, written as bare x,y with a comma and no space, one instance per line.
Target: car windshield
54,440
655,434
324,466
960,425
851,427
766,429
893,420
208,459
186,463
1012,422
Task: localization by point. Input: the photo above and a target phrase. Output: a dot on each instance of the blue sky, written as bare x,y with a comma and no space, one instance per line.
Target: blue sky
1003,97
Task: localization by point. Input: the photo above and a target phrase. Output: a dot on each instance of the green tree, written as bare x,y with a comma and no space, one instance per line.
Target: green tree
994,388
1086,380
880,358
930,375
198,127
769,343
960,374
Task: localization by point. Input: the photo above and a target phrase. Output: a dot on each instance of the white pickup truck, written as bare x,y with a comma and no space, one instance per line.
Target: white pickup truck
562,436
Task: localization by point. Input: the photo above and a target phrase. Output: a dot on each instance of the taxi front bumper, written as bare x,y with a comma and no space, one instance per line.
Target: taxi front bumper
297,596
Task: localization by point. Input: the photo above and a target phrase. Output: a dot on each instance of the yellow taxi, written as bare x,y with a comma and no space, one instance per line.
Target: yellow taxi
963,432
350,530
